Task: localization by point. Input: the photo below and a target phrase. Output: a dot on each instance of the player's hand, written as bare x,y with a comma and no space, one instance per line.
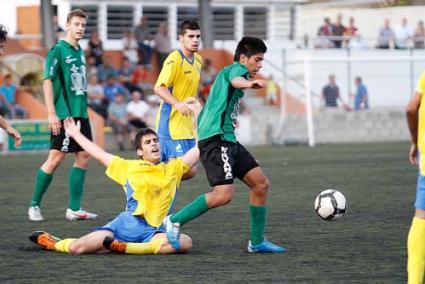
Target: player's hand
183,108
54,124
15,135
258,84
71,128
413,154
194,105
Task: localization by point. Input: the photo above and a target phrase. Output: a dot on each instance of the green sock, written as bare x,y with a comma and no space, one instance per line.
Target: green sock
194,209
257,222
42,182
76,187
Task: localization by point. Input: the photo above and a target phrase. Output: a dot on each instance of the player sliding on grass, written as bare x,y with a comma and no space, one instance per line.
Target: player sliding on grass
150,187
222,156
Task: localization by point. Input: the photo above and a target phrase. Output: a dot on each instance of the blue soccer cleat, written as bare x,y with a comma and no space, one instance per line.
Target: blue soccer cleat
265,246
173,232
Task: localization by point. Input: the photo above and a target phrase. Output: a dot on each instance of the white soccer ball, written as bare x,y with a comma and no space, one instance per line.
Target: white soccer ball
330,204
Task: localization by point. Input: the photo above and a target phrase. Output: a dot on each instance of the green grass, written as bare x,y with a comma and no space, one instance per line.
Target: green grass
368,245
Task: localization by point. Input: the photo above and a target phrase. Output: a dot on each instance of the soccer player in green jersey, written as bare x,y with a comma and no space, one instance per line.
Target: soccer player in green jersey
221,154
3,122
65,93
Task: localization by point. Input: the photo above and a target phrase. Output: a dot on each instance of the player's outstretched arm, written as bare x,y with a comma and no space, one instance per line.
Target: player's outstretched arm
11,131
73,130
242,83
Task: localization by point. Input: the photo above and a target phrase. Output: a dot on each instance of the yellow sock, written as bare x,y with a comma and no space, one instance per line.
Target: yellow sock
151,247
416,251
63,245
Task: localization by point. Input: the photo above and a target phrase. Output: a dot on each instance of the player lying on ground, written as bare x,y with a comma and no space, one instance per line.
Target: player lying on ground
150,187
225,159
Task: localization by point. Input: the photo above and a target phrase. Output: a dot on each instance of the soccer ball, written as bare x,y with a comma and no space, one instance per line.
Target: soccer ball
330,204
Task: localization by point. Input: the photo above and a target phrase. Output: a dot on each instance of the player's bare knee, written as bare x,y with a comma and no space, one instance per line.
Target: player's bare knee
223,198
261,187
76,248
82,160
53,161
185,243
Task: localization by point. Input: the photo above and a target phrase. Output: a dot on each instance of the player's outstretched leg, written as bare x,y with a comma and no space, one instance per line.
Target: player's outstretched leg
43,239
173,232
151,247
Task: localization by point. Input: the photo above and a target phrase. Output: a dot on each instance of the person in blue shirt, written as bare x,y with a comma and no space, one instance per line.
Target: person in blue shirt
8,90
361,97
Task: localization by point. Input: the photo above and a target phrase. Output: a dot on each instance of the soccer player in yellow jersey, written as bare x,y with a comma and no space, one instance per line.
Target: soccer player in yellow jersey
416,239
179,80
150,186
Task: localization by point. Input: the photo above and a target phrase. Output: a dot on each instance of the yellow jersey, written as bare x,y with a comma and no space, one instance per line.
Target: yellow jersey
150,189
181,76
420,88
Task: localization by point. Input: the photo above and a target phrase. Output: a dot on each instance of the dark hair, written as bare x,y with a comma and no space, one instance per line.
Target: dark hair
142,132
249,46
358,78
76,13
3,33
188,24
8,76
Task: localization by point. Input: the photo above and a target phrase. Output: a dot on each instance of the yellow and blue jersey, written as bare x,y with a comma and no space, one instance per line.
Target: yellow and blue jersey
150,189
181,76
420,88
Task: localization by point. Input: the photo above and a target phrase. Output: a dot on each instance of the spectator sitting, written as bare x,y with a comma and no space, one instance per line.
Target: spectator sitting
153,102
111,88
338,29
96,98
8,90
126,73
330,93
130,46
162,44
419,36
91,67
107,69
386,35
324,32
137,112
139,78
357,42
143,38
117,118
403,34
361,98
95,48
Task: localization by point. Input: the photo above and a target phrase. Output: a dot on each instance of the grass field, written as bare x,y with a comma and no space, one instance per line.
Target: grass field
367,246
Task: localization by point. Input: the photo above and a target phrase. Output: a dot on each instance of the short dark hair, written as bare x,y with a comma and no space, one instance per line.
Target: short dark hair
3,33
249,46
188,24
358,78
76,13
142,132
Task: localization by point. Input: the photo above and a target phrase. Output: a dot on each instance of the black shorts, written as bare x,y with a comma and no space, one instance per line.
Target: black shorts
224,161
66,144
